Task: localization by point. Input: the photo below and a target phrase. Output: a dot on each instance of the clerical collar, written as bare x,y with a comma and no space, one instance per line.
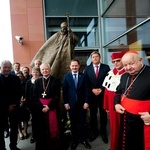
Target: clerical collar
46,77
5,75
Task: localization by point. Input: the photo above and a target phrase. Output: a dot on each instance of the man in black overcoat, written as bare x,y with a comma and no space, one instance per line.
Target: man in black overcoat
10,94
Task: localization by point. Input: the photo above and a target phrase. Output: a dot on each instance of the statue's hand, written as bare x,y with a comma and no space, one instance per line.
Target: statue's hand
69,29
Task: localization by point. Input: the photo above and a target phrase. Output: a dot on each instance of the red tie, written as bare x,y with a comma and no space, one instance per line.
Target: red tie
96,73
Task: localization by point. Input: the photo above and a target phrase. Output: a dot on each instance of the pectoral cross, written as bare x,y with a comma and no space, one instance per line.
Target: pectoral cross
44,94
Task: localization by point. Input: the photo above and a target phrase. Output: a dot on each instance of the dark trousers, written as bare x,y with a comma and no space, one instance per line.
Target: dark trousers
34,121
3,118
77,118
94,107
13,120
7,126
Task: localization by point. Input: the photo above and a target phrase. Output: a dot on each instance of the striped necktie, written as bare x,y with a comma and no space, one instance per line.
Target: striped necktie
75,80
96,72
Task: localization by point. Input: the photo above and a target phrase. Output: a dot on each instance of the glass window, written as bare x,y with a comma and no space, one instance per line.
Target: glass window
83,19
128,8
123,15
85,28
138,39
74,7
106,4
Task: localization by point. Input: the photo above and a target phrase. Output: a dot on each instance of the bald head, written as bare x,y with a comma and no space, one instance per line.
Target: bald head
132,63
63,24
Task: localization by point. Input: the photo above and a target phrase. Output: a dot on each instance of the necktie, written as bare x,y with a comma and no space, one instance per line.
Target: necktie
75,80
96,72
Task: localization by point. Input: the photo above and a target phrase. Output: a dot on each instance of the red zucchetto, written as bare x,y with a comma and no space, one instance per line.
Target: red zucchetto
117,55
132,51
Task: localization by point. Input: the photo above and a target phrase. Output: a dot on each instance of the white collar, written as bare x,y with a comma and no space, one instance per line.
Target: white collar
46,77
96,65
75,73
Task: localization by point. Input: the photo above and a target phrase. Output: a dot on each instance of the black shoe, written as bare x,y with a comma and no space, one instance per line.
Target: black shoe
32,140
26,136
14,148
6,134
22,138
74,145
86,144
93,137
104,138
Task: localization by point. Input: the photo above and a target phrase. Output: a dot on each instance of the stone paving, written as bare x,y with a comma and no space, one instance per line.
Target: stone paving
98,144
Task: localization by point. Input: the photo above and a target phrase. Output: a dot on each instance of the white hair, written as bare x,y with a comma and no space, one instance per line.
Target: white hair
45,64
4,62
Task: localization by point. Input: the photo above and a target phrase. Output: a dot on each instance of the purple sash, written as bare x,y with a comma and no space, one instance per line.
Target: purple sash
53,124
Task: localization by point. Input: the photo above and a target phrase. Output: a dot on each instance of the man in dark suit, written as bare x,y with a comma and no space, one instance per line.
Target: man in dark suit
10,87
95,74
75,95
16,68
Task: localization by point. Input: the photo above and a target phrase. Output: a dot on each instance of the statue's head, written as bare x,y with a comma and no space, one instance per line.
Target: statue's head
63,27
63,24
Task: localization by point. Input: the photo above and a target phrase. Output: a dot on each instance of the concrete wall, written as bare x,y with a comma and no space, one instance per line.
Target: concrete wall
26,21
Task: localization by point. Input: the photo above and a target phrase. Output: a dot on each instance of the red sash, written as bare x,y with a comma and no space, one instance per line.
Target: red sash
135,106
53,124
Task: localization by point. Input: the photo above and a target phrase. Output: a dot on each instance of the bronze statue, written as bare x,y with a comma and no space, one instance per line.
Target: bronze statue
58,51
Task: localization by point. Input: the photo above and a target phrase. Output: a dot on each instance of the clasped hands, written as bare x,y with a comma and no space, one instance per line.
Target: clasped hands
85,106
97,91
145,116
45,108
22,101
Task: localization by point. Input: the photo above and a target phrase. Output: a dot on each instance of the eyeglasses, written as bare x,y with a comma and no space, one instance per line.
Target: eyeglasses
118,60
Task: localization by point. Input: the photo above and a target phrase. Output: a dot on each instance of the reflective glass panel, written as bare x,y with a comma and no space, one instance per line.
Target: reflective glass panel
74,7
105,4
138,39
85,28
123,15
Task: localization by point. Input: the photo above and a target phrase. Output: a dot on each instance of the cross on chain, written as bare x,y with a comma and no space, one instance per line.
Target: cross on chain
44,94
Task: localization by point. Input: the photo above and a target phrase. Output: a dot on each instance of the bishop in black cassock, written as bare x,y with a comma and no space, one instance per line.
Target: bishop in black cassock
46,88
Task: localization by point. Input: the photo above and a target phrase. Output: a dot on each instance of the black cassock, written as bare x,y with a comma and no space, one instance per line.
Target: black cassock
10,94
51,86
132,133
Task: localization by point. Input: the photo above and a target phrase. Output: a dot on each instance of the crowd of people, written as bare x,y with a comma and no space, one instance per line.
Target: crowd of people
121,92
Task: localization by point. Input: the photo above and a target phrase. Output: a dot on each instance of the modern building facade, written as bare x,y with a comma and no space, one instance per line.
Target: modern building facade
103,25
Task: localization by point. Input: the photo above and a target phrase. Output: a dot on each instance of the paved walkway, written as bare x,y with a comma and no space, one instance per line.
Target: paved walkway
98,144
